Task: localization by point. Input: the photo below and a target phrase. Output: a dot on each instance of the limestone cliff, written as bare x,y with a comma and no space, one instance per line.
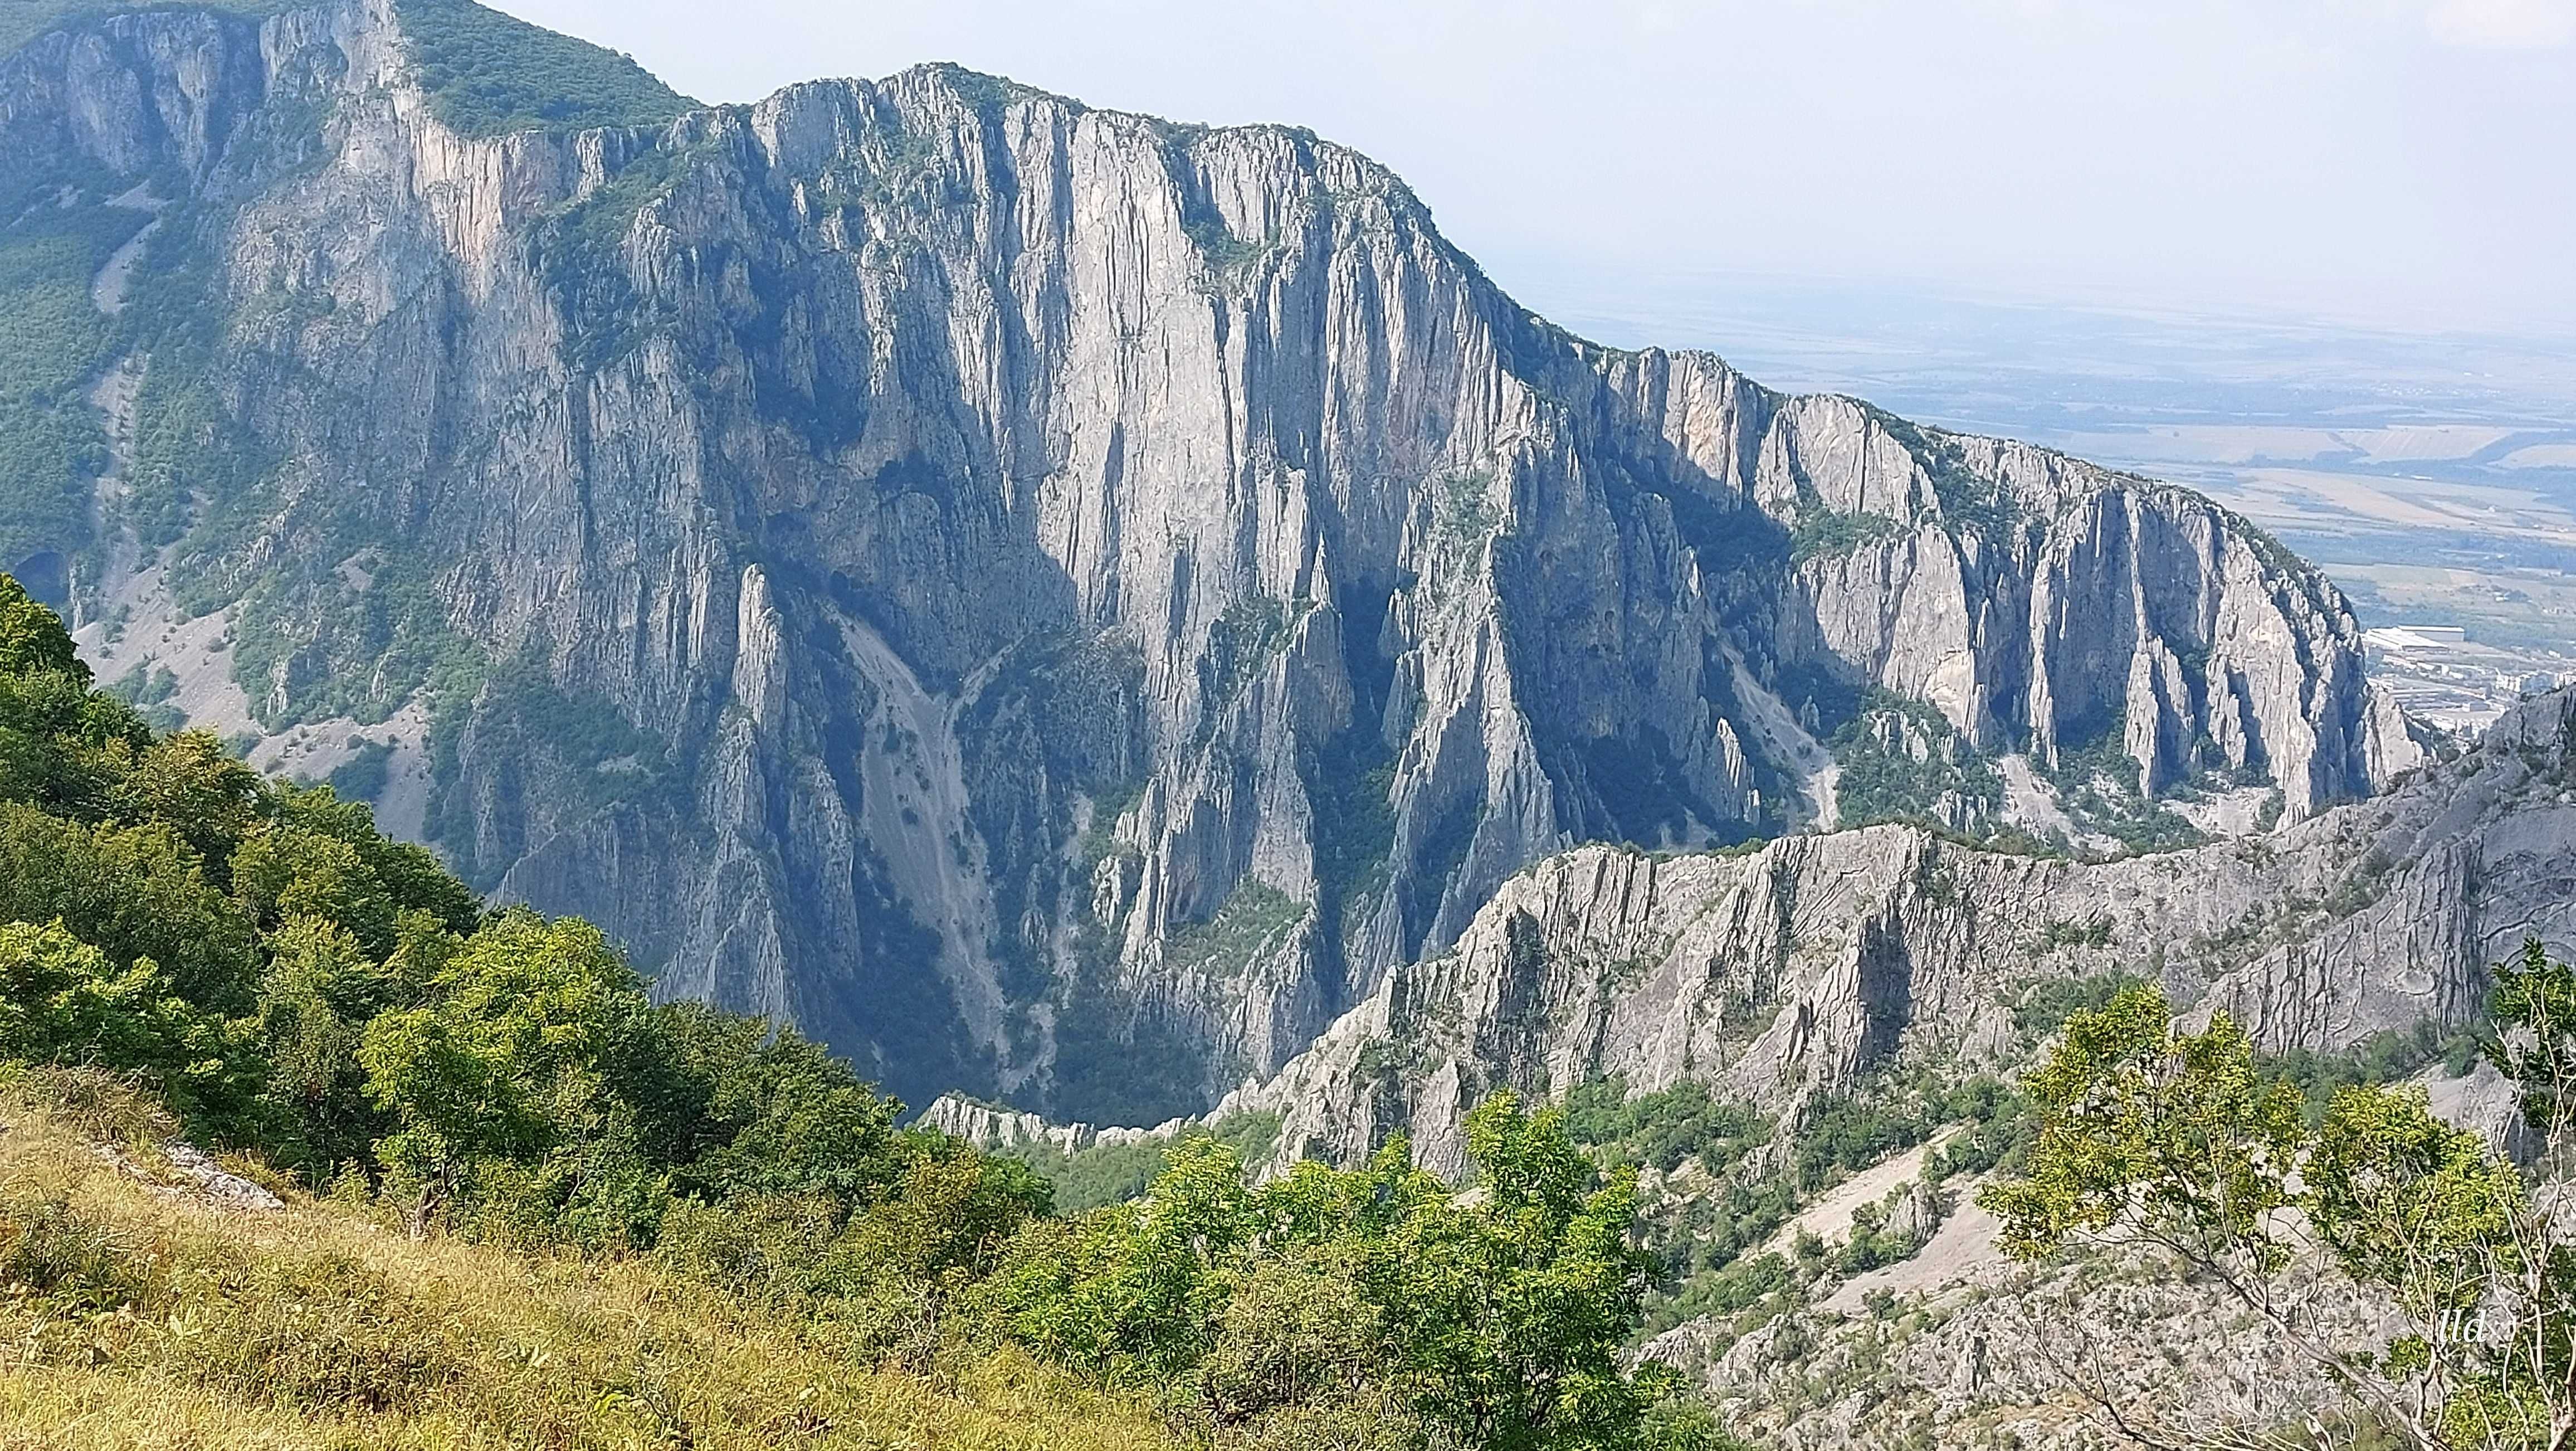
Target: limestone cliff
1804,965
1064,604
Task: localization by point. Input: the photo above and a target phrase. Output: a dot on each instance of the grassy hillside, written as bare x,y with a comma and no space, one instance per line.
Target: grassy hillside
140,1314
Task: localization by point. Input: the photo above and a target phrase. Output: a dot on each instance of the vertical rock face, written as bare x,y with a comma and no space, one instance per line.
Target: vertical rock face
1801,967
1060,603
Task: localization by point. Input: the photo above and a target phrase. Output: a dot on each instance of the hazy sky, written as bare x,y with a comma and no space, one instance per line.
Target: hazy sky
2407,161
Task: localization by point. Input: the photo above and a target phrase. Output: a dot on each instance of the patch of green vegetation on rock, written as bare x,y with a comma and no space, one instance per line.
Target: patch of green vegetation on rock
1822,533
1842,1133
149,688
1252,919
53,339
309,646
489,74
2387,1056
364,776
2099,786
1902,761
1241,644
1463,515
193,469
1350,782
1971,502
576,251
1122,1061
1150,1073
1664,1129
562,746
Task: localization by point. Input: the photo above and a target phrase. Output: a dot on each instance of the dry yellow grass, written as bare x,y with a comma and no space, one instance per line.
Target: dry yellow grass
169,1323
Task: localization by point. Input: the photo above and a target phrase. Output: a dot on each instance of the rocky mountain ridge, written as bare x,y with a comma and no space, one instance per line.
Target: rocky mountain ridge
1057,603
1800,967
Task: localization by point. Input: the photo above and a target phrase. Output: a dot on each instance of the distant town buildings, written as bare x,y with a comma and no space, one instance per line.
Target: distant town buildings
2440,675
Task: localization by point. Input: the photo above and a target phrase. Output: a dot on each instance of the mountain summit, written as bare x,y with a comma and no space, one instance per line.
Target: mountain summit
1054,602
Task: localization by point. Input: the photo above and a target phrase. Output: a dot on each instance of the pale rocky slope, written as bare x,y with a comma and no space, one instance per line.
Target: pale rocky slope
1067,605
1812,961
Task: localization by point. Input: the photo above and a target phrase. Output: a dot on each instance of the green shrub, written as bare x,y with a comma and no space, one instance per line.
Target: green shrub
63,1002
1497,1318
1666,1128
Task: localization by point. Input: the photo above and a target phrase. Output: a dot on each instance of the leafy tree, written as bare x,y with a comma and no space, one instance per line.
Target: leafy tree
1129,1294
65,747
282,872
188,783
947,1218
1513,1308
133,892
2173,1134
2177,1138
32,638
1494,1318
64,1002
320,993
407,876
495,1080
738,1107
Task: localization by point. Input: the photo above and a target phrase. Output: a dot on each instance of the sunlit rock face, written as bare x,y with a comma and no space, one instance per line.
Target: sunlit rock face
1060,604
1815,963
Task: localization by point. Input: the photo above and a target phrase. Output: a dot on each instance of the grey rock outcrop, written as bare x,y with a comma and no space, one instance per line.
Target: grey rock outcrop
1798,967
1009,1129
2026,1358
1062,604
